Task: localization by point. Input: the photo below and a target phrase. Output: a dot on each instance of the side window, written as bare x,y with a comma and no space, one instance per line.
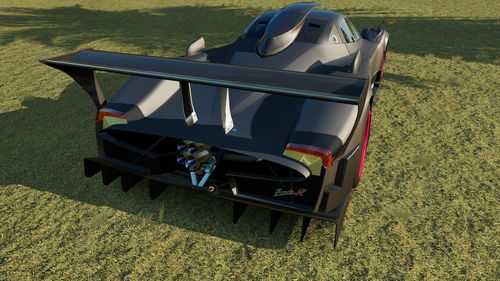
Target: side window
349,31
353,29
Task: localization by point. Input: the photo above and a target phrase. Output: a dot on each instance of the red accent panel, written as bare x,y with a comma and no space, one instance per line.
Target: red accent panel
365,144
382,68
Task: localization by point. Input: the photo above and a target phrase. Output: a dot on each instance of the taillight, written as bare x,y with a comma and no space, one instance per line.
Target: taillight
110,117
103,112
310,155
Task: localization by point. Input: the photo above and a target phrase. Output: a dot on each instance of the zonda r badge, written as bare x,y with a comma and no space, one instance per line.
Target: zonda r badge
282,192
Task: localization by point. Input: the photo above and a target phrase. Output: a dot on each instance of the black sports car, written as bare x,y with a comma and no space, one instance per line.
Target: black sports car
279,119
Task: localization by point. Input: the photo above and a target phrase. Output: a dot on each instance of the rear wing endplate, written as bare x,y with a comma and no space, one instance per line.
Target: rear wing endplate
81,66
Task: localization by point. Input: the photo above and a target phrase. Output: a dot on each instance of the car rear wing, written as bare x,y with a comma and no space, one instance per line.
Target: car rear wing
82,64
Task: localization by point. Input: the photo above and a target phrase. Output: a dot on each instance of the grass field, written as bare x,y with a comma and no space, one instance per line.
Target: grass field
427,208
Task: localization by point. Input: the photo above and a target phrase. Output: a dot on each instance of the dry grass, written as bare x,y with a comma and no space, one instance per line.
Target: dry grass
427,208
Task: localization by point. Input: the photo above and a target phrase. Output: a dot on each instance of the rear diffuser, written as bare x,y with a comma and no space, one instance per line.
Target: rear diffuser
131,174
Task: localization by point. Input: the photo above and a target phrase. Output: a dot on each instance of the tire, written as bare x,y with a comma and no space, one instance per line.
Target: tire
381,71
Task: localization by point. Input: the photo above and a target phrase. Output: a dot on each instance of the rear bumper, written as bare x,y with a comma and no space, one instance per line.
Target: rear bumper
130,174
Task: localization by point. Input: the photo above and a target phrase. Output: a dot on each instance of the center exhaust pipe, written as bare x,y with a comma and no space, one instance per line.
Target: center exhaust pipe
197,159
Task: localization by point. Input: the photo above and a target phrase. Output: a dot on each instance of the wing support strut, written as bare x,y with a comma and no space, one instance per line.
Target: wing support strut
187,104
225,110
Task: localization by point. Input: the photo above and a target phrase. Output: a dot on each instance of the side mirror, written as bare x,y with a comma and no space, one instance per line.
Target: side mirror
371,33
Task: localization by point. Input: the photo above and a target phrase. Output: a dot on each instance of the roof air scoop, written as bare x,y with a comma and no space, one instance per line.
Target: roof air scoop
283,28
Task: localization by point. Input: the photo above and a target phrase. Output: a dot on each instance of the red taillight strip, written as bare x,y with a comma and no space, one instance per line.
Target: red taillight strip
365,144
324,154
109,112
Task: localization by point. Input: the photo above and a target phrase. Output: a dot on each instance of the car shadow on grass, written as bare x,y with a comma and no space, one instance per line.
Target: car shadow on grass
153,30
43,144
47,155
474,40
172,28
